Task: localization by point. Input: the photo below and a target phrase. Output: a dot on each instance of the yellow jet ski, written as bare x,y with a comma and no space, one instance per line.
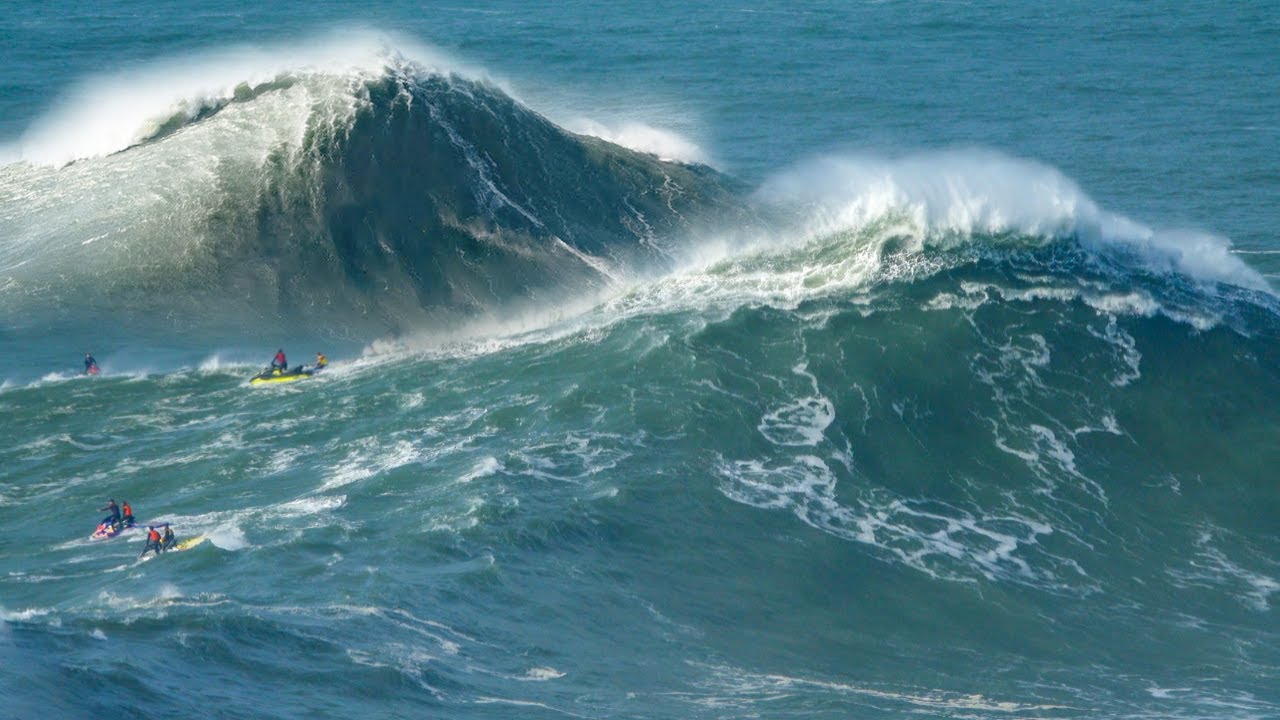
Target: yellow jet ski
276,375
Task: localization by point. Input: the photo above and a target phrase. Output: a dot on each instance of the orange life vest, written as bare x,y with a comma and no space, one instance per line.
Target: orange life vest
153,536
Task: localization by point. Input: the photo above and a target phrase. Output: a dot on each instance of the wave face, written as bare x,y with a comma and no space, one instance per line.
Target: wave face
359,203
837,474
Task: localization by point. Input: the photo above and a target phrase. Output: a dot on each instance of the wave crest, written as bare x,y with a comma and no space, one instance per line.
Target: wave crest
956,197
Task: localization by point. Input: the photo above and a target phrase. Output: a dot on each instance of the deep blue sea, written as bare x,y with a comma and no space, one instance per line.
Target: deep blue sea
687,360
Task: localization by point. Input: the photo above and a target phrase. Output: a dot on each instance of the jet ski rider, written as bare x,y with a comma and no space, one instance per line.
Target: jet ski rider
114,517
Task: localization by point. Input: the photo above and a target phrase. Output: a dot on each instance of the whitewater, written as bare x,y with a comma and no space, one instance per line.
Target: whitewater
686,362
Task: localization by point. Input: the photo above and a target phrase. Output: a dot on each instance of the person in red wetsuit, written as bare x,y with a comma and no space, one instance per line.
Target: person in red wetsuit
278,362
153,541
127,520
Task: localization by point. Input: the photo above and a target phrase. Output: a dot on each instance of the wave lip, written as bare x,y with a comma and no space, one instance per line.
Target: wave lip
663,144
952,198
109,113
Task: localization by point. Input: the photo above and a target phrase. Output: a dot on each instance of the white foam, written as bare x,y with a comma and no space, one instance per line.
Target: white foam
541,674
1136,303
110,112
1165,693
801,422
369,459
1055,448
1012,369
162,596
345,474
1128,348
22,615
950,546
228,537
309,506
742,686
168,591
949,197
1197,320
485,700
56,377
1130,303
486,467
216,364
665,144
1211,567
961,193
949,301
283,459
1032,294
453,522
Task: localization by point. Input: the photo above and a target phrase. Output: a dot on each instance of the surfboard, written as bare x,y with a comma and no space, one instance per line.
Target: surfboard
188,543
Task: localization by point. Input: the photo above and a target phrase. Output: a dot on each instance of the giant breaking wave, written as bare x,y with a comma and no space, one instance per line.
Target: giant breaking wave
355,199
363,193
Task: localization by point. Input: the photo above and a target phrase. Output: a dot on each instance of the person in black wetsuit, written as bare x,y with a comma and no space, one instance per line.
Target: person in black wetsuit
90,365
114,509
278,362
167,541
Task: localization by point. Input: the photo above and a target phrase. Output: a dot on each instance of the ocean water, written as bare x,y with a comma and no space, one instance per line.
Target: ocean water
719,360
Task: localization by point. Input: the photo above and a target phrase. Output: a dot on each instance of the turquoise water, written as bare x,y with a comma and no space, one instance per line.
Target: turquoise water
687,361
